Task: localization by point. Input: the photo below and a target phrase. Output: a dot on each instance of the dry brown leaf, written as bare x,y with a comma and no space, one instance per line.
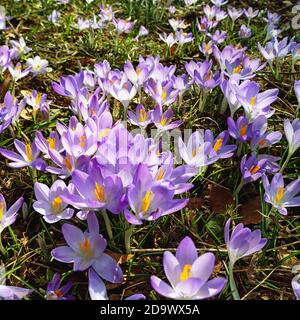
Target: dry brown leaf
219,199
195,203
250,211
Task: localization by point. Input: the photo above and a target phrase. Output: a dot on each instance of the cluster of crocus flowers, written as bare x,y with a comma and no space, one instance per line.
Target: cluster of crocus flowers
188,274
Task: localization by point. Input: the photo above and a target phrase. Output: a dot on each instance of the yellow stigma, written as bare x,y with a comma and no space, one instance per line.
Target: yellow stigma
163,121
1,210
28,152
100,193
160,175
56,204
252,101
262,143
138,71
147,201
186,272
104,133
279,195
218,144
254,169
52,143
195,151
208,76
164,94
238,69
19,67
243,130
207,47
86,248
38,98
143,115
298,51
82,141
67,162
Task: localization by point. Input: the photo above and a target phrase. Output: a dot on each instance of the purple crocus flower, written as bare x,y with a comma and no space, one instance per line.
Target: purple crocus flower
206,48
188,274
57,292
218,37
123,26
37,65
8,216
95,191
86,249
149,200
54,16
234,13
183,37
296,286
255,103
238,129
66,163
162,92
106,12
242,242
245,32
69,86
5,58
176,24
8,111
252,168
51,143
13,293
27,157
205,24
219,147
137,76
163,120
124,91
141,117
259,138
250,13
219,3
280,196
49,202
205,78
292,134
97,289
17,73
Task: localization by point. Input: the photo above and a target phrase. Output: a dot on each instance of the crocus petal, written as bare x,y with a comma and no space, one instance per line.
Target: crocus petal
63,254
162,288
108,269
97,289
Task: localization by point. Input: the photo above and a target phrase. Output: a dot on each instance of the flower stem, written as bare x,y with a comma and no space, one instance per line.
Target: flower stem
286,162
2,249
233,288
127,236
107,225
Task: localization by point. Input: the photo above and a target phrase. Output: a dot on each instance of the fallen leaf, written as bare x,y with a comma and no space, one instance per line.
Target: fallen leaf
250,211
219,199
195,203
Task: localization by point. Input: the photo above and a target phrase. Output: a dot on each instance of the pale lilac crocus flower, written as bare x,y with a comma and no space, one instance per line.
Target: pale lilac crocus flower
141,117
86,249
183,37
19,48
240,243
49,202
28,156
218,37
163,120
188,274
280,196
169,39
54,16
8,111
17,73
234,13
292,134
5,58
13,293
250,13
245,32
123,26
238,129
